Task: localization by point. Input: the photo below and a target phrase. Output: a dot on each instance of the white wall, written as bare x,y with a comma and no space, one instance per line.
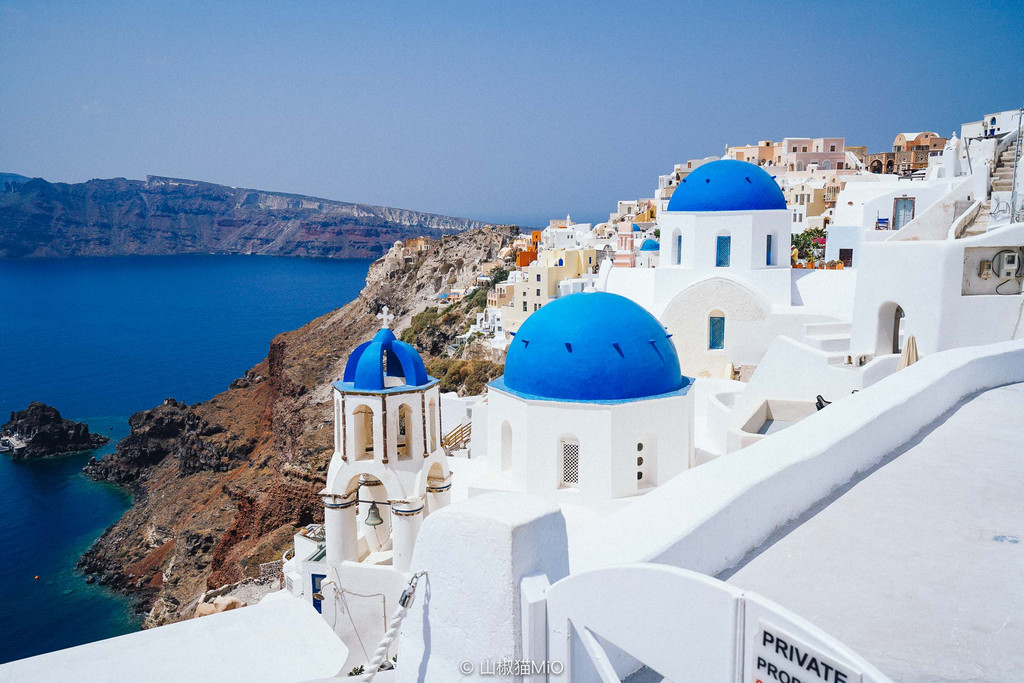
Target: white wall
925,278
608,434
711,516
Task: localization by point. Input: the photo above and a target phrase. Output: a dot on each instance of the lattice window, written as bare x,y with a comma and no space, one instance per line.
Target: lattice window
570,463
722,254
716,332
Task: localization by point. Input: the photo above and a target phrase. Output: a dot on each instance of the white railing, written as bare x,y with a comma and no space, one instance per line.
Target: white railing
956,230
689,627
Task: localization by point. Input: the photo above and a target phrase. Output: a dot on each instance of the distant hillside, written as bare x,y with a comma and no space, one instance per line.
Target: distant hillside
174,216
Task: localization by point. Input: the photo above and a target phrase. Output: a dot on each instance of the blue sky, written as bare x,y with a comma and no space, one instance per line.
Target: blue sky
515,111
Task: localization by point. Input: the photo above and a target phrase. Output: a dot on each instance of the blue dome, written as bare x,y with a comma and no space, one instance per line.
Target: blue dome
592,346
650,245
636,228
365,369
727,185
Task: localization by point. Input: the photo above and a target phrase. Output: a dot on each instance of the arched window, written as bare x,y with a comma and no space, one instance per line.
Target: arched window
769,257
569,465
679,249
405,429
432,416
506,445
716,330
723,251
363,435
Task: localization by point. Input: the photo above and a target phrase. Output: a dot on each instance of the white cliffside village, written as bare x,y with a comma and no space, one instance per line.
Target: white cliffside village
784,390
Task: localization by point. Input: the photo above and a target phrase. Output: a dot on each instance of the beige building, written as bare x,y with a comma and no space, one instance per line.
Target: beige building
667,183
764,153
501,295
806,200
913,149
540,281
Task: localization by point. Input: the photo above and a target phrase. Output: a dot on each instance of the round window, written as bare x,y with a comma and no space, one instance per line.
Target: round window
639,447
639,461
639,476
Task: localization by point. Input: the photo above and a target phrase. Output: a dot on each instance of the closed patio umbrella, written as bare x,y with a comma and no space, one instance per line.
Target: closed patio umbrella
909,355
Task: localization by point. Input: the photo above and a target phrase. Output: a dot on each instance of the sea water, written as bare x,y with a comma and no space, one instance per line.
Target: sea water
100,339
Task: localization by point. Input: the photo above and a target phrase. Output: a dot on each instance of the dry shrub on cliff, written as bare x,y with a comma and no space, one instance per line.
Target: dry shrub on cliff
467,377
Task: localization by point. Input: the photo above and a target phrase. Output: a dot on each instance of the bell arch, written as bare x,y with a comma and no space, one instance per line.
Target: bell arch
362,432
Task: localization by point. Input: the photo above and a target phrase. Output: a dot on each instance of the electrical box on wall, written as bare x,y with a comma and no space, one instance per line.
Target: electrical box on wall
986,270
1007,263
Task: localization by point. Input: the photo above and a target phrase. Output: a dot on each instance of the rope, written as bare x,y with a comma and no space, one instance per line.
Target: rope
404,603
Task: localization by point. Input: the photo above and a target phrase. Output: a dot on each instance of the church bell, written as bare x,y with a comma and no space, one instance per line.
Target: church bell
373,517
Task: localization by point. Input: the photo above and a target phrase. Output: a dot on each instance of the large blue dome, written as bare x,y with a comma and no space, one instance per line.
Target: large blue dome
383,364
727,185
592,346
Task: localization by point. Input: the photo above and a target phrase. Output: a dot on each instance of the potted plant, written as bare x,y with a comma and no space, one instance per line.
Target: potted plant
831,265
840,265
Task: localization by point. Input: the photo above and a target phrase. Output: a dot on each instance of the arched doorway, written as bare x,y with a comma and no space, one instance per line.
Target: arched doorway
890,328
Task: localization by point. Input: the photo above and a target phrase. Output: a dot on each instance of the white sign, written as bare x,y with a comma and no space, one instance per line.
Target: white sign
778,657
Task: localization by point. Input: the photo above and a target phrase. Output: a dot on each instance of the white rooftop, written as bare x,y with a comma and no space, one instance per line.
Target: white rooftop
280,639
919,566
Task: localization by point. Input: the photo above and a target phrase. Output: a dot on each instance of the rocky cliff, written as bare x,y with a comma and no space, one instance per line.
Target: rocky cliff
174,216
221,486
46,433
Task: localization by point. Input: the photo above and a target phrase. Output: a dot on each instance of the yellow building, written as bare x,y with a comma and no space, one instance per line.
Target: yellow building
540,281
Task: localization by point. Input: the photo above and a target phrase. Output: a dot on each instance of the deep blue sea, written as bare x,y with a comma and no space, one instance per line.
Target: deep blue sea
100,339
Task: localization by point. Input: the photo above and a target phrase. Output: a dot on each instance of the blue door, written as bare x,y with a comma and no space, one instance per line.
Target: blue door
716,332
317,581
722,253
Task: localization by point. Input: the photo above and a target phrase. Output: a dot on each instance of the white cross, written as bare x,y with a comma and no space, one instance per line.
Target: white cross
385,317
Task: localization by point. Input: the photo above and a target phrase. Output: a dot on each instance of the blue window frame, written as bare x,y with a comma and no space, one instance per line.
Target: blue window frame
716,332
679,249
722,252
768,251
317,581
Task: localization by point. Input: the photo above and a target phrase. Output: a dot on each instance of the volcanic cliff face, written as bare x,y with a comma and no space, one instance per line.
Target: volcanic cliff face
174,216
221,486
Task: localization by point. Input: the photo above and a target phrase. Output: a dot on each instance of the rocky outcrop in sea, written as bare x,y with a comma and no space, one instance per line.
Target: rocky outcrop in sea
46,433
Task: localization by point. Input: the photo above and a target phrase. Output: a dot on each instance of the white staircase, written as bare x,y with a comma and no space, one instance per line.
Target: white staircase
833,338
980,223
1002,175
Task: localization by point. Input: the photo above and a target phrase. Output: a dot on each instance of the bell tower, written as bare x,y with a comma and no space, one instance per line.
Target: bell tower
388,470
